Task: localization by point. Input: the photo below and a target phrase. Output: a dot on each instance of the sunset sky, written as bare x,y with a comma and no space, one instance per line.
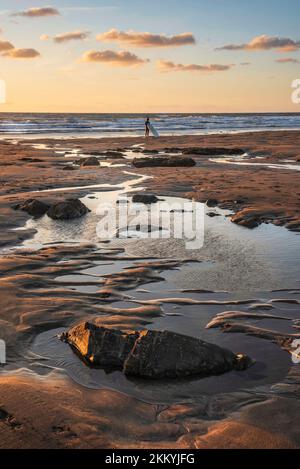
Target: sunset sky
157,56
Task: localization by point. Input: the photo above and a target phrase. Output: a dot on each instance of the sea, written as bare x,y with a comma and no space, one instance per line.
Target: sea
38,125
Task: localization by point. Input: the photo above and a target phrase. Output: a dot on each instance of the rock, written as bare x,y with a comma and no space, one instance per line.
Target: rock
172,150
213,214
114,154
147,228
69,168
212,202
71,208
145,199
152,354
90,161
294,226
33,207
150,152
213,151
31,160
247,219
248,223
96,153
173,161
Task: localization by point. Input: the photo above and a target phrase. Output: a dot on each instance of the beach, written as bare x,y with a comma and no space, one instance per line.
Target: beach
57,274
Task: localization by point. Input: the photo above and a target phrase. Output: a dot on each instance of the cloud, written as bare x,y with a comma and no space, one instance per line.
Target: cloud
136,39
5,46
22,54
288,61
264,42
65,37
245,64
110,57
37,12
168,66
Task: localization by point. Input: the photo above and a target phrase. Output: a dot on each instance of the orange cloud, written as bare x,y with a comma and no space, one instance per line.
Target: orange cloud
5,46
136,39
168,66
110,57
37,12
288,61
264,42
65,37
22,54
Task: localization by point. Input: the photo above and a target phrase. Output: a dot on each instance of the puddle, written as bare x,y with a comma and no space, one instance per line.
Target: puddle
271,366
239,160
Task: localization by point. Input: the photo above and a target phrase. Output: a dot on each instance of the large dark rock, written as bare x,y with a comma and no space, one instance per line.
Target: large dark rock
212,151
33,207
71,208
145,199
161,161
152,354
90,161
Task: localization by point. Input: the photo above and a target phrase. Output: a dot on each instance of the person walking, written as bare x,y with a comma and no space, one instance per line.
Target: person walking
147,127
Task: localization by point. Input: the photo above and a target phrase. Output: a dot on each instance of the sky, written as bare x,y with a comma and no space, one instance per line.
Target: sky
147,57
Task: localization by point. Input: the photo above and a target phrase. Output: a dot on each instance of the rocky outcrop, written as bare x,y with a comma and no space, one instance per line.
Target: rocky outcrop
213,151
145,199
152,354
252,218
67,210
160,161
33,207
90,161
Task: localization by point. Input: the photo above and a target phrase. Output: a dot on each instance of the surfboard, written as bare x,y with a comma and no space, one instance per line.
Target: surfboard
154,131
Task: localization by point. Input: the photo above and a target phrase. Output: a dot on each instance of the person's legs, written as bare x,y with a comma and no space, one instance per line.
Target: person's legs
147,131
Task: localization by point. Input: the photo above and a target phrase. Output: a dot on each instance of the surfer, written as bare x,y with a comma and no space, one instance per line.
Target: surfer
147,127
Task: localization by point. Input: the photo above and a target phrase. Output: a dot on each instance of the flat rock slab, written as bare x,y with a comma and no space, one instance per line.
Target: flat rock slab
152,354
213,151
160,161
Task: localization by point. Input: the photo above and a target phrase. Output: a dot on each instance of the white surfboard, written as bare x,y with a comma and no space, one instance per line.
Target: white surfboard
154,131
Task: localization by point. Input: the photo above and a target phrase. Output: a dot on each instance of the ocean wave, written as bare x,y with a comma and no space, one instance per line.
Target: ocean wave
108,124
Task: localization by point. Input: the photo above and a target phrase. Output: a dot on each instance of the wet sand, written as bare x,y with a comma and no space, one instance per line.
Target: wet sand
59,285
